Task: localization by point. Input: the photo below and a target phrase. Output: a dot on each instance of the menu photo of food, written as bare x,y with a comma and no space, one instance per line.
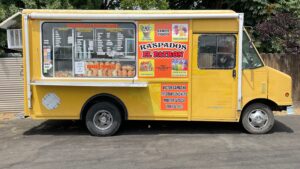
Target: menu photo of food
179,68
63,73
107,69
180,32
146,32
146,67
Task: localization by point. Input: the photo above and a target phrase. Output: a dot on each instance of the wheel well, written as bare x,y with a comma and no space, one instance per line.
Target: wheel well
104,97
273,106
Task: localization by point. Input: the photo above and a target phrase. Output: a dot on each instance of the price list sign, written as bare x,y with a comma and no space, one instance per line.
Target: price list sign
63,37
63,42
84,43
109,41
174,96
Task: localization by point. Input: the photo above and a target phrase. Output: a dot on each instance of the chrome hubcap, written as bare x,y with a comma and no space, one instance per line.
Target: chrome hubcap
103,119
258,119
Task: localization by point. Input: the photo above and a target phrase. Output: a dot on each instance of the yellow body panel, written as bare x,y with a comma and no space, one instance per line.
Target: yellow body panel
255,84
214,91
216,25
144,103
279,84
147,106
214,95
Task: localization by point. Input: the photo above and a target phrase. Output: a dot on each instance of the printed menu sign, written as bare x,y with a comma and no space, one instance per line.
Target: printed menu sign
79,67
174,96
84,42
62,37
103,41
62,43
109,40
163,49
83,49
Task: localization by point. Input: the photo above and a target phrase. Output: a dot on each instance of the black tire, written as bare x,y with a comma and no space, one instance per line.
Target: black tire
110,117
254,116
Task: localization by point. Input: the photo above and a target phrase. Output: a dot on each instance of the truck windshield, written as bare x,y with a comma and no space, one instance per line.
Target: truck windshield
251,60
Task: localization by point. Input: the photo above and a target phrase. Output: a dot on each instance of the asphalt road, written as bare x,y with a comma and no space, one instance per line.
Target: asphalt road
66,144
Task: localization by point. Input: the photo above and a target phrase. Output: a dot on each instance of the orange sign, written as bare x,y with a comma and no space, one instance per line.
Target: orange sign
174,96
164,46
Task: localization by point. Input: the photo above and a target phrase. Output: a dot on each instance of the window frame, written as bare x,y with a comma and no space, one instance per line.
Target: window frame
256,51
135,77
235,52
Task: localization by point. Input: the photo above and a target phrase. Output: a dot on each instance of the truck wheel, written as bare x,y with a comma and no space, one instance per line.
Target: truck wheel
258,118
103,119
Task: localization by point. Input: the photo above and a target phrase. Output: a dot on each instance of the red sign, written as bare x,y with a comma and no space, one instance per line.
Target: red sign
163,49
174,96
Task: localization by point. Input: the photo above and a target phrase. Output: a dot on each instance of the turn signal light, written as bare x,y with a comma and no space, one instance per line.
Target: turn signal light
287,94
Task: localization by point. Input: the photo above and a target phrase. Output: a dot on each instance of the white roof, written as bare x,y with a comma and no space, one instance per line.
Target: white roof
9,22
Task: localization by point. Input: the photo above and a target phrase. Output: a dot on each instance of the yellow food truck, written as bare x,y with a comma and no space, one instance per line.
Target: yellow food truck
104,67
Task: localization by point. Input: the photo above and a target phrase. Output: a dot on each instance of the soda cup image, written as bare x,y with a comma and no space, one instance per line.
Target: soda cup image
179,66
184,65
146,29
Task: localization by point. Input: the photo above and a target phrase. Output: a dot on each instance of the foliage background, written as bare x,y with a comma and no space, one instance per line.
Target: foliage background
274,24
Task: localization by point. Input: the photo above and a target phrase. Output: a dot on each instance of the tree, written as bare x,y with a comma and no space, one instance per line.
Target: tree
201,4
142,4
7,8
257,13
280,31
10,7
49,4
264,19
280,34
95,4
255,10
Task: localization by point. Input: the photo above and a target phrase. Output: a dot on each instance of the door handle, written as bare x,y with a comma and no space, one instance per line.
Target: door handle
234,73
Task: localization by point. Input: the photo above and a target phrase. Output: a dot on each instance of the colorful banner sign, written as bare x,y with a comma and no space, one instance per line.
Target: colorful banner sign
174,96
47,59
163,49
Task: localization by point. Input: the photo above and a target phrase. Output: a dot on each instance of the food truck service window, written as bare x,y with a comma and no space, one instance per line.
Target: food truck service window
98,50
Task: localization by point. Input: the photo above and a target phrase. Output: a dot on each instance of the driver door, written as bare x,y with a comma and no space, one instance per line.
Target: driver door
214,77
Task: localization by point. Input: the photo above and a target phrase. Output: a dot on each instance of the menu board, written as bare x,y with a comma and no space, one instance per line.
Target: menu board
57,45
63,37
106,42
110,42
84,43
89,49
163,49
63,49
62,43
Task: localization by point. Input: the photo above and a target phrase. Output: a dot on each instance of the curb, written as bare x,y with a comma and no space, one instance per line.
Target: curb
11,116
